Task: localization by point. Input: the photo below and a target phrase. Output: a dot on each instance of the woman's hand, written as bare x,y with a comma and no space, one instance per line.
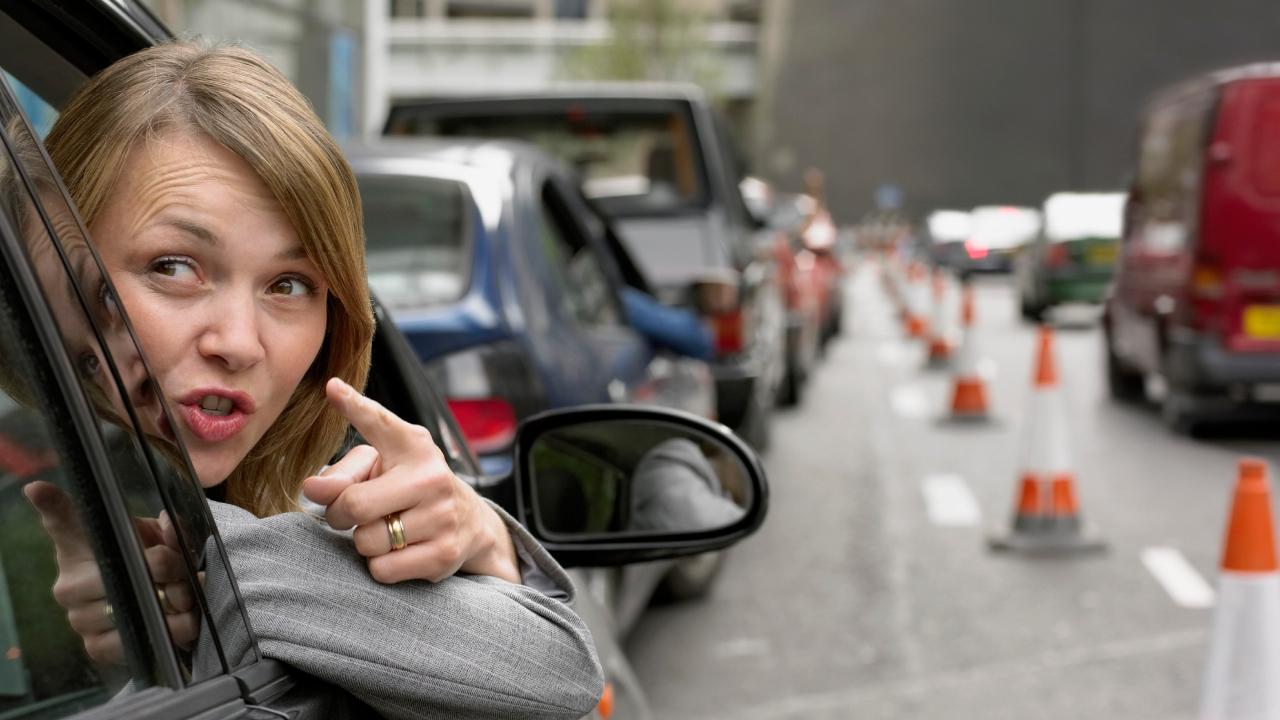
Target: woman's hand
79,589
447,526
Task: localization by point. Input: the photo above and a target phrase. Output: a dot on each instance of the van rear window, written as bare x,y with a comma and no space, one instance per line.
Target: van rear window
1266,147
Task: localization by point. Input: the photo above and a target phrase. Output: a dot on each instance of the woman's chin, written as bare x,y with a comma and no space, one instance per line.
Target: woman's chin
211,471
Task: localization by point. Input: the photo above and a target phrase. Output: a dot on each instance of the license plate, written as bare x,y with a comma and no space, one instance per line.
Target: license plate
1102,255
1262,321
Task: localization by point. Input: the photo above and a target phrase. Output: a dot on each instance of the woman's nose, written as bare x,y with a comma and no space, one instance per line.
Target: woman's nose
231,334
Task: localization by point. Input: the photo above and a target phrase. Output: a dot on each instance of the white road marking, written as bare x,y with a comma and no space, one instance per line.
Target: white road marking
742,647
909,401
1178,577
949,501
892,353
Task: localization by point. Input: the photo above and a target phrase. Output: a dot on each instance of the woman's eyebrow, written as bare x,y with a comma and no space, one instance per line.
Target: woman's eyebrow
196,230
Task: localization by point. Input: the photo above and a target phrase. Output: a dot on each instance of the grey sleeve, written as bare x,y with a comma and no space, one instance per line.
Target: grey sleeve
538,569
470,646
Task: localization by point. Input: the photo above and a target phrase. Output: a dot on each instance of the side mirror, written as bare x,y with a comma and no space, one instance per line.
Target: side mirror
616,484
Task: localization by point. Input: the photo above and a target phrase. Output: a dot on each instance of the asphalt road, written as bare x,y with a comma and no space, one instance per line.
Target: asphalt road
854,600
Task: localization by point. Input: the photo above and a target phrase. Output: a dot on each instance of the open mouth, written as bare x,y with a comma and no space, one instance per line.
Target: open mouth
214,415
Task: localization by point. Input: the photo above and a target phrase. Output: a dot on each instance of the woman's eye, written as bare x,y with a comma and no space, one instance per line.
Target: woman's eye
290,286
88,364
172,267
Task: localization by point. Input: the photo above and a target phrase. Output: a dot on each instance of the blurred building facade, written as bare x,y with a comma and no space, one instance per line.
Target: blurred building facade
969,102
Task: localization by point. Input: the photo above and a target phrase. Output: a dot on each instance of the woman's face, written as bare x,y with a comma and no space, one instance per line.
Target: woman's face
226,305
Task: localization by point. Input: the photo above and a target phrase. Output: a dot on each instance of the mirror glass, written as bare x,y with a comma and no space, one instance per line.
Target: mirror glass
635,477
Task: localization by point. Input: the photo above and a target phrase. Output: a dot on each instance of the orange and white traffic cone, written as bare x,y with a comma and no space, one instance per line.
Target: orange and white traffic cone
939,356
1046,518
969,390
1244,650
917,300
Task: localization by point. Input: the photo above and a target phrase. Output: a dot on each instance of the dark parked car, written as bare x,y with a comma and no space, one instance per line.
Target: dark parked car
1071,259
52,428
661,163
1196,297
509,287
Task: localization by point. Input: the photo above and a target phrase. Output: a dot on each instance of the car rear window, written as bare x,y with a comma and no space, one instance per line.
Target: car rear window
416,235
632,162
1266,147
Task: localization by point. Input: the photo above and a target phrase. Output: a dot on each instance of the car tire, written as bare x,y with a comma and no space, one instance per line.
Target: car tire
1031,311
755,425
791,389
1123,382
690,578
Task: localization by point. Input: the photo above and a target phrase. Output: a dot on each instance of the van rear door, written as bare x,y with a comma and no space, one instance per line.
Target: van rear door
1239,248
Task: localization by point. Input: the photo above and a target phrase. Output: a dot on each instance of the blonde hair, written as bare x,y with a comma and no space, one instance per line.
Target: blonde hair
242,102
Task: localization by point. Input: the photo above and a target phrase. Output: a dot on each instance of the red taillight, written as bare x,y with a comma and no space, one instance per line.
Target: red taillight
976,250
1206,282
488,423
1056,256
728,330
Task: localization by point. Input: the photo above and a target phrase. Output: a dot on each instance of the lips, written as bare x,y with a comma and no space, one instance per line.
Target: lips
205,412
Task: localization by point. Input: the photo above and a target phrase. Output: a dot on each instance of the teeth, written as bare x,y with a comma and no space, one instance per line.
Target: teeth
216,405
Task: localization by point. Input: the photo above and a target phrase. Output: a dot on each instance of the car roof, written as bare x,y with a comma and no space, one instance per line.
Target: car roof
1212,80
500,157
664,91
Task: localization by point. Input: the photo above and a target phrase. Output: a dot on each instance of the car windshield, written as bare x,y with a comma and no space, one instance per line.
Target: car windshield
416,231
1004,227
631,163
1077,216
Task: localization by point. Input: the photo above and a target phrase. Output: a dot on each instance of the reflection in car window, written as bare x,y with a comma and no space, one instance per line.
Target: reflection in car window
576,272
153,475
416,234
45,668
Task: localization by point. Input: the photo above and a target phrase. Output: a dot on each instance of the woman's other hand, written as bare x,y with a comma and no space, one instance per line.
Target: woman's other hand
79,589
447,526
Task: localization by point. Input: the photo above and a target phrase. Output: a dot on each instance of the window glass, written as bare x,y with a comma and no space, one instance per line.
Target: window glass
576,273
171,517
633,162
416,231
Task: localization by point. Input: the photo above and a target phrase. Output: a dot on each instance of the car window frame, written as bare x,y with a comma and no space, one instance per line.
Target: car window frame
562,215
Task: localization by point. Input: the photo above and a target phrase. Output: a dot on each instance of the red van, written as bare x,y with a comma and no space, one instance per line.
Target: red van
1196,295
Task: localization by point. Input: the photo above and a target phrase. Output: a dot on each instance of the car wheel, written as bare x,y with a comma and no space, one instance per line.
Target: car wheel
1031,311
1178,410
791,388
1123,382
691,577
755,426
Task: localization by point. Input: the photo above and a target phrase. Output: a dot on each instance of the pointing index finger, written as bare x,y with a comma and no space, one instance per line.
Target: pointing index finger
381,428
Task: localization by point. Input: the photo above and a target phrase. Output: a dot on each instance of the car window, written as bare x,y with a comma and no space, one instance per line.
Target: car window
153,476
417,232
576,272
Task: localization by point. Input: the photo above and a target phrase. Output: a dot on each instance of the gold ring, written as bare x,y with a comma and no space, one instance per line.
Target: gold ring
395,531
108,611
165,603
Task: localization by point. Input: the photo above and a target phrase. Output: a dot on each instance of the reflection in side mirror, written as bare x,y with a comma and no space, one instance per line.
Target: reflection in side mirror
621,484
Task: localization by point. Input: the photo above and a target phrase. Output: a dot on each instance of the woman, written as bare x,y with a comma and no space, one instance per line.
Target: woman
230,226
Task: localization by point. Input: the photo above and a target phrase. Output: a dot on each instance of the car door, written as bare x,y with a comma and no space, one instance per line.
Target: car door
584,291
85,484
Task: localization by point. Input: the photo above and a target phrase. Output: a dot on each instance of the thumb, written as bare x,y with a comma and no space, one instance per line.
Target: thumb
59,518
324,489
359,464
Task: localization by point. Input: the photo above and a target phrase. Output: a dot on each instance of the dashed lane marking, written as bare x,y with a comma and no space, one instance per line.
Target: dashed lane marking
1178,578
910,401
949,501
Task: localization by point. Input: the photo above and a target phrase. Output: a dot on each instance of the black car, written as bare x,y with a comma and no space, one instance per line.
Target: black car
65,421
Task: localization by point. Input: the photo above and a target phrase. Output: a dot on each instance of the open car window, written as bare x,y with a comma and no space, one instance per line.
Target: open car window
152,474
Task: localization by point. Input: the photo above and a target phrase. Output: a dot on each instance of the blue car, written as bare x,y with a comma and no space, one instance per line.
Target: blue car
517,295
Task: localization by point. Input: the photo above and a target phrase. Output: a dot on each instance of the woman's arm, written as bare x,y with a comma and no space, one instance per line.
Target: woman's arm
469,646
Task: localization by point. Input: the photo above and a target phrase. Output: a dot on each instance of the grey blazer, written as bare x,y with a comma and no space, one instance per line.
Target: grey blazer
467,647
